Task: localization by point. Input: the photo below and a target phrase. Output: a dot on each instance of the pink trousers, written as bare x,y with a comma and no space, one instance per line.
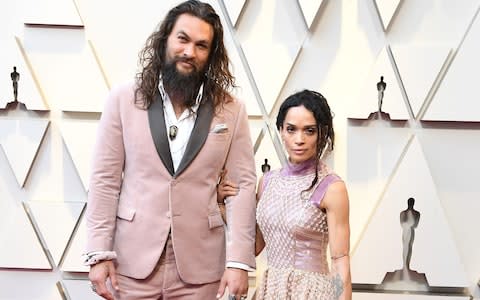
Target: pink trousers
164,283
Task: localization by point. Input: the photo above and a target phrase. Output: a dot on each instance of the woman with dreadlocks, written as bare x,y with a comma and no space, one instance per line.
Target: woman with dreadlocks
302,209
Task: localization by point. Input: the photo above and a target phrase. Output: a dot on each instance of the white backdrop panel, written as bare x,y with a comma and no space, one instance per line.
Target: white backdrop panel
19,245
234,8
79,138
256,127
52,12
419,66
20,140
310,8
336,55
243,89
266,150
380,250
28,285
270,65
73,259
56,221
452,154
369,170
386,9
69,72
457,97
273,46
393,102
53,176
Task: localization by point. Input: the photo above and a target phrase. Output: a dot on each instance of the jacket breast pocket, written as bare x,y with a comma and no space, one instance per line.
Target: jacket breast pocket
125,213
214,151
220,137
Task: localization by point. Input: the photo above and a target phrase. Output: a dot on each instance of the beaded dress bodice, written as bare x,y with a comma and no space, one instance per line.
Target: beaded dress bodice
291,224
295,231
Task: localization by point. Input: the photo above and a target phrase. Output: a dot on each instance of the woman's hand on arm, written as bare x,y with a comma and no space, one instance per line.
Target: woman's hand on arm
225,188
259,242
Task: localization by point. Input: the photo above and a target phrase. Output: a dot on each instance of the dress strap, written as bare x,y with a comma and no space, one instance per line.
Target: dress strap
322,187
266,178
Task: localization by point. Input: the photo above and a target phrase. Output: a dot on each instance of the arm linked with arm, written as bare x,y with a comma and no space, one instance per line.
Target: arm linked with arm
241,208
226,188
259,242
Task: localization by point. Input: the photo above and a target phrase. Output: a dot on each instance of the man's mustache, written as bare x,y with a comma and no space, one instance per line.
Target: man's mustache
186,60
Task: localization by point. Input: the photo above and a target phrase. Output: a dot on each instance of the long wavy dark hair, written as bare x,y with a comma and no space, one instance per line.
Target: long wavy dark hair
218,79
317,104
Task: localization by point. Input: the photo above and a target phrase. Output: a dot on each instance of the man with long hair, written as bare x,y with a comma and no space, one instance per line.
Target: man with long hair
154,226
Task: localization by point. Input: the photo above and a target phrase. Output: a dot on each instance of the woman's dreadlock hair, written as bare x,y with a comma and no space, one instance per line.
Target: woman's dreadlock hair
317,104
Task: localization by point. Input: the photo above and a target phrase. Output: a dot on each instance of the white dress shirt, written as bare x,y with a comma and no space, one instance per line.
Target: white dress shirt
184,124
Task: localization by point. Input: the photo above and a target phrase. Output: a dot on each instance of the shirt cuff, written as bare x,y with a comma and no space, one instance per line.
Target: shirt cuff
237,265
95,257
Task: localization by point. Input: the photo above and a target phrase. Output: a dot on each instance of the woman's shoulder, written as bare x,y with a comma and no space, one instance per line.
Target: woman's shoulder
330,181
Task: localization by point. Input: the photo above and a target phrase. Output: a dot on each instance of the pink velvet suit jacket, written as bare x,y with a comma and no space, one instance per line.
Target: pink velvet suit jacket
135,198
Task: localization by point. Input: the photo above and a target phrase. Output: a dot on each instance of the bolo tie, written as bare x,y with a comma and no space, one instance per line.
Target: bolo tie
172,132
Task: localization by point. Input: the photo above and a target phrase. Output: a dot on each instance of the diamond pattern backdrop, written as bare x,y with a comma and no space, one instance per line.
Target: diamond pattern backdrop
69,53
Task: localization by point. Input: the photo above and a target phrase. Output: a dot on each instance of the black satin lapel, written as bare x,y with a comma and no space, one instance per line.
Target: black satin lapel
198,136
156,120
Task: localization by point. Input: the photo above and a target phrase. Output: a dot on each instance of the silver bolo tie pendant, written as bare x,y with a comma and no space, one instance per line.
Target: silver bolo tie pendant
172,132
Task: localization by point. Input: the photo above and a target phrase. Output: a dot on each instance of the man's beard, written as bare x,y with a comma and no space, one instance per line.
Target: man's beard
183,87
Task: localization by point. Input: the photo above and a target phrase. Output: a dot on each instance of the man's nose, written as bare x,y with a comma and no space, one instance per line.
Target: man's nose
189,51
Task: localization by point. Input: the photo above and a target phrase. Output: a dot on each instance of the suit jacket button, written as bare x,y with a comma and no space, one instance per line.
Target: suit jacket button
168,214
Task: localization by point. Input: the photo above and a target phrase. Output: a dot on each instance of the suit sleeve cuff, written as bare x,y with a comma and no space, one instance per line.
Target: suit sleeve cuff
95,257
237,265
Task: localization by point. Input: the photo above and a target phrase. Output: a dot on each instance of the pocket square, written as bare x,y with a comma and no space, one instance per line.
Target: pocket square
219,128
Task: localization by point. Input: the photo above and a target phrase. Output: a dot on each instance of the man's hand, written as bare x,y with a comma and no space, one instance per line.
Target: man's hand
99,273
237,282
